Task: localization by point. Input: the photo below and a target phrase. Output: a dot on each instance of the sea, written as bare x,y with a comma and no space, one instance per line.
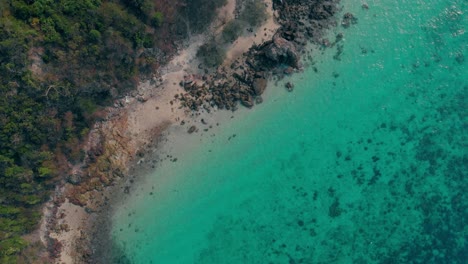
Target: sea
365,161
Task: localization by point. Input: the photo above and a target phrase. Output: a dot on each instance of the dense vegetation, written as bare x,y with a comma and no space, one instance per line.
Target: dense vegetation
60,62
200,13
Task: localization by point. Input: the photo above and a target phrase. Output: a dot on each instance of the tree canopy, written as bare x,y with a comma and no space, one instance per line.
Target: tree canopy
60,62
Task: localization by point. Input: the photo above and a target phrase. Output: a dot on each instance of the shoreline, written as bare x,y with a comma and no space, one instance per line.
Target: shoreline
126,145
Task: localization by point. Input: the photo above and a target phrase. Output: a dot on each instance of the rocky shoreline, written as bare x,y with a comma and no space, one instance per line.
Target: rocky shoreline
113,153
245,79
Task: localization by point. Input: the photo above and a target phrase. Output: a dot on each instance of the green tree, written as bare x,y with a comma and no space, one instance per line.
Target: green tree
94,35
158,19
231,31
211,54
254,13
59,57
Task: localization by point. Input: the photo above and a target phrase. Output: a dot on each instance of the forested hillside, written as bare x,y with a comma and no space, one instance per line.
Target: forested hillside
60,61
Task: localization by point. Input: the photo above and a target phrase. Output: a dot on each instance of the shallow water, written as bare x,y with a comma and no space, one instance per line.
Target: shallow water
365,162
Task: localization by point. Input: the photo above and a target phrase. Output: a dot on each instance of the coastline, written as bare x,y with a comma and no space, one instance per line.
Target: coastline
125,142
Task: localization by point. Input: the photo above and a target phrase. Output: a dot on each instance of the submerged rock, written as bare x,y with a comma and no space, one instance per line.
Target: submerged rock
289,86
348,20
192,129
258,100
322,11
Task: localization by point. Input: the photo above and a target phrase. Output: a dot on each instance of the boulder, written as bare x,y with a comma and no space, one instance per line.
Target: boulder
281,50
323,11
259,85
258,100
289,86
288,70
300,39
247,101
142,99
74,178
192,129
348,20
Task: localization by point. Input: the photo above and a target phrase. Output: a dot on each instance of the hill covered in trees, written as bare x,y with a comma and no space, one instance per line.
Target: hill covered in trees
61,63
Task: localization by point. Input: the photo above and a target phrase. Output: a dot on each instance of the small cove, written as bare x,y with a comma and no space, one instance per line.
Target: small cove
364,162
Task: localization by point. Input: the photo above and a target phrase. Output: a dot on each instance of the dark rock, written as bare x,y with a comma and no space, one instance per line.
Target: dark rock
300,39
460,58
288,70
259,74
188,79
326,42
192,129
334,210
339,37
258,100
310,32
74,178
142,99
322,11
240,77
282,51
289,86
348,20
247,101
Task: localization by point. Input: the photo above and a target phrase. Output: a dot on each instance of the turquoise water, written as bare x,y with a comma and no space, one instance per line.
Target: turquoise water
365,162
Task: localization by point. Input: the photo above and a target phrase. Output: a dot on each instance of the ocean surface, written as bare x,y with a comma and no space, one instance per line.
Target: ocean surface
365,161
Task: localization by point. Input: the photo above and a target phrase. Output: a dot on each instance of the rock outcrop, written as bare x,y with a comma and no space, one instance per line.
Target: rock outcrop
282,51
245,80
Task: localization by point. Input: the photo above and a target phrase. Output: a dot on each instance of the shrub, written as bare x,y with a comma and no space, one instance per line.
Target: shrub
200,13
157,19
44,172
9,247
231,31
94,35
211,54
254,13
